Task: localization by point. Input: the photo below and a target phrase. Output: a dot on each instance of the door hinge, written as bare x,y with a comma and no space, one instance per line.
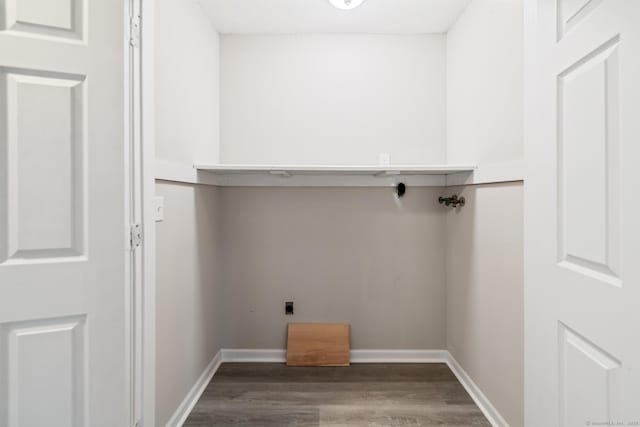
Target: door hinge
134,31
136,236
137,424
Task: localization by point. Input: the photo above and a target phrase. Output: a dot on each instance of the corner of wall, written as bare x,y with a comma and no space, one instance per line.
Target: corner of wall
483,253
188,279
188,119
485,63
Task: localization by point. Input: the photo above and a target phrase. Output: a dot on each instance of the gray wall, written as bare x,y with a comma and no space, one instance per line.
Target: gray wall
404,273
189,321
356,255
485,303
485,280
188,328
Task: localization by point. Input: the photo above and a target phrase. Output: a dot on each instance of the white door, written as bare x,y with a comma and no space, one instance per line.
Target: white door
582,298
62,214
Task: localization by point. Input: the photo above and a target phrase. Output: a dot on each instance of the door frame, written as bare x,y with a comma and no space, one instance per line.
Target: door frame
146,125
530,67
139,391
140,209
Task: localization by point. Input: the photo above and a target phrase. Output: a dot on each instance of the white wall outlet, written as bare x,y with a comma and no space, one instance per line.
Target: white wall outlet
384,159
159,212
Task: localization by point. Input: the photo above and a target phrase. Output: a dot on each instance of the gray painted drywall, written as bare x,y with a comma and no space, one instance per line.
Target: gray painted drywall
485,280
485,299
356,255
188,291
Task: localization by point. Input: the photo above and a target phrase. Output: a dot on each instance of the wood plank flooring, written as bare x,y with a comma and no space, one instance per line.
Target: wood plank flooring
271,394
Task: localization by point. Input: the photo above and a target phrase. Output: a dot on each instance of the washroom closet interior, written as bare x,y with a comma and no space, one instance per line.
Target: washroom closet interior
309,154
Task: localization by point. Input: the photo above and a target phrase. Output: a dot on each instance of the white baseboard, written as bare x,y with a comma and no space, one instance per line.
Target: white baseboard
190,400
398,356
476,394
357,356
254,356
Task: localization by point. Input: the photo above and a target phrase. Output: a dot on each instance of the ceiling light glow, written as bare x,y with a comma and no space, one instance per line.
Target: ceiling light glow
346,4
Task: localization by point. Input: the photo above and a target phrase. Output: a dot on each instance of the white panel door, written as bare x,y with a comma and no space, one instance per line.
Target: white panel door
582,300
62,214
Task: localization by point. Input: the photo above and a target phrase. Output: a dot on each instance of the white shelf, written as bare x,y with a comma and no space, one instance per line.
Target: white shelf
372,170
230,175
245,175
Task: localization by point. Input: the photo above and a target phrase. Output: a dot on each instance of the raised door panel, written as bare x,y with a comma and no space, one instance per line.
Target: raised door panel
571,12
582,221
42,372
63,252
590,382
44,183
57,18
589,165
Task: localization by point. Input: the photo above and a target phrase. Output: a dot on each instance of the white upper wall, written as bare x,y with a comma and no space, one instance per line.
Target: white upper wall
186,73
485,84
334,99
340,98
319,16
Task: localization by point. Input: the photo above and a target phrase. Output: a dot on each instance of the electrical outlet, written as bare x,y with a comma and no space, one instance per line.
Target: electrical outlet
288,308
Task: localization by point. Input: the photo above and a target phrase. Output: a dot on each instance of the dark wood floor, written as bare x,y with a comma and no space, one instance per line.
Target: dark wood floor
266,394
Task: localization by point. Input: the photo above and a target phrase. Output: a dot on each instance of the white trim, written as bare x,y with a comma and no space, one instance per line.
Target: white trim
399,356
254,356
147,127
190,400
129,162
531,128
378,170
182,172
488,174
356,356
186,173
174,171
476,394
134,205
324,180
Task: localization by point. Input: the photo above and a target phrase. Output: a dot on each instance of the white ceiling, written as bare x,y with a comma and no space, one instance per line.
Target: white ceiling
319,16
